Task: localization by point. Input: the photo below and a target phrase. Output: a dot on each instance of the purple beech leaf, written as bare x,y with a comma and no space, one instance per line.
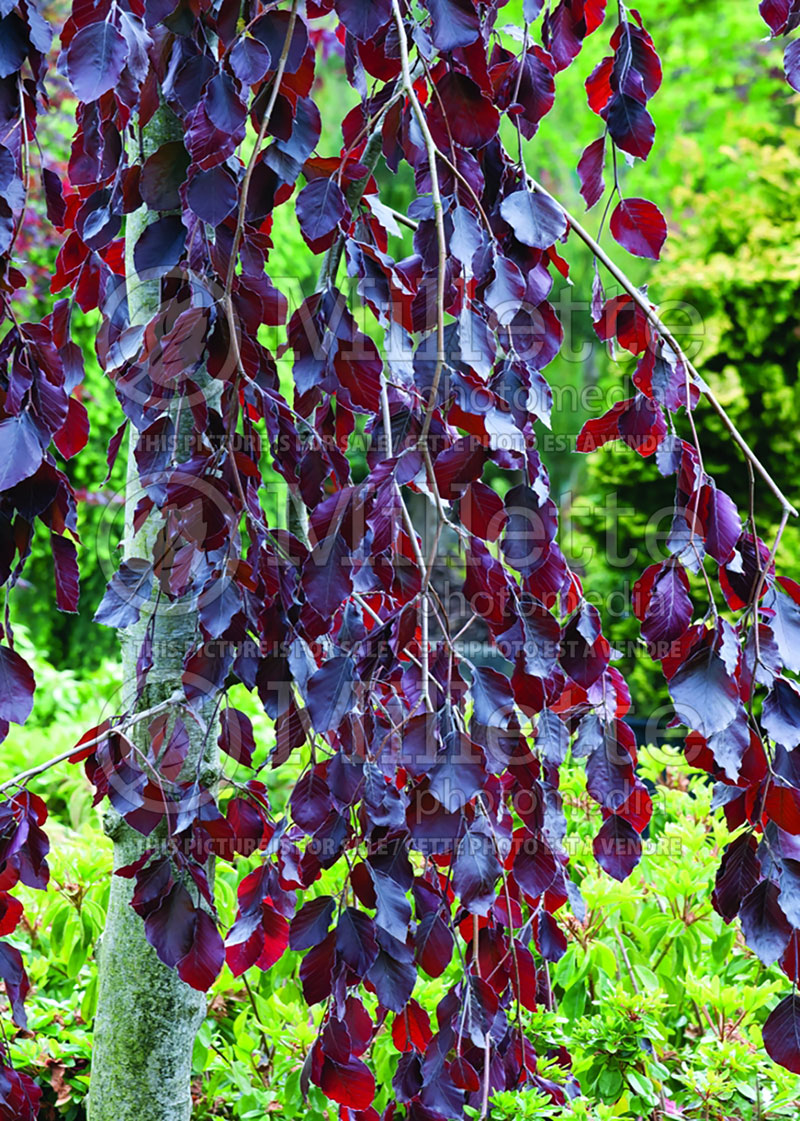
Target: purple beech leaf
433,944
631,126
95,59
789,898
536,220
476,871
160,247
765,927
492,697
791,66
785,624
126,595
722,526
328,575
321,206
170,926
455,23
355,940
781,1033
550,939
20,450
507,291
609,775
460,110
669,609
780,715
364,18
331,693
12,972
212,195
236,736
16,687
350,1083
703,693
617,847
639,227
535,866
311,801
65,560
729,746
530,529
737,875
393,910
310,925
393,973
590,172
316,970
552,737
201,966
162,175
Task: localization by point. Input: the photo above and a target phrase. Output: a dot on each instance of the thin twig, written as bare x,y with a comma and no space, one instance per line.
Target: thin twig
23,776
655,320
438,212
262,132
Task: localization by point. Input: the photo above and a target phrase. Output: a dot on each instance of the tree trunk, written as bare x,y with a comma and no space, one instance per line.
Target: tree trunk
147,1018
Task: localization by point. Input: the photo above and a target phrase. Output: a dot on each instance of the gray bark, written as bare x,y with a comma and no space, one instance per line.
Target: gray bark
147,1018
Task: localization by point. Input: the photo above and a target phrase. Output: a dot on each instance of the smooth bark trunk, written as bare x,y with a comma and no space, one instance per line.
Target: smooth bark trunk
147,1018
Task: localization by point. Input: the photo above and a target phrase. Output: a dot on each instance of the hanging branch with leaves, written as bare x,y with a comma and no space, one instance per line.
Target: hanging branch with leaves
432,781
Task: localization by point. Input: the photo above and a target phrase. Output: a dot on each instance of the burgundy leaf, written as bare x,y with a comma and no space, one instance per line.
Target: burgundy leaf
530,529
536,219
201,966
331,693
630,125
160,247
65,561
309,927
639,227
73,436
363,18
162,175
434,944
95,58
321,206
393,973
351,1084
460,110
703,692
355,940
534,866
482,512
12,972
476,871
170,926
781,714
737,875
785,624
16,687
590,171
236,737
617,847
667,612
765,927
20,450
791,66
781,1033
455,23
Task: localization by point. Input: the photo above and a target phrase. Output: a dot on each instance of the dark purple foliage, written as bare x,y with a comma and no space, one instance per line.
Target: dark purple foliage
333,623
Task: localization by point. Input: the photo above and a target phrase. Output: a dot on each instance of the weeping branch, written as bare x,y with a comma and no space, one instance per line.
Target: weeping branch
655,321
